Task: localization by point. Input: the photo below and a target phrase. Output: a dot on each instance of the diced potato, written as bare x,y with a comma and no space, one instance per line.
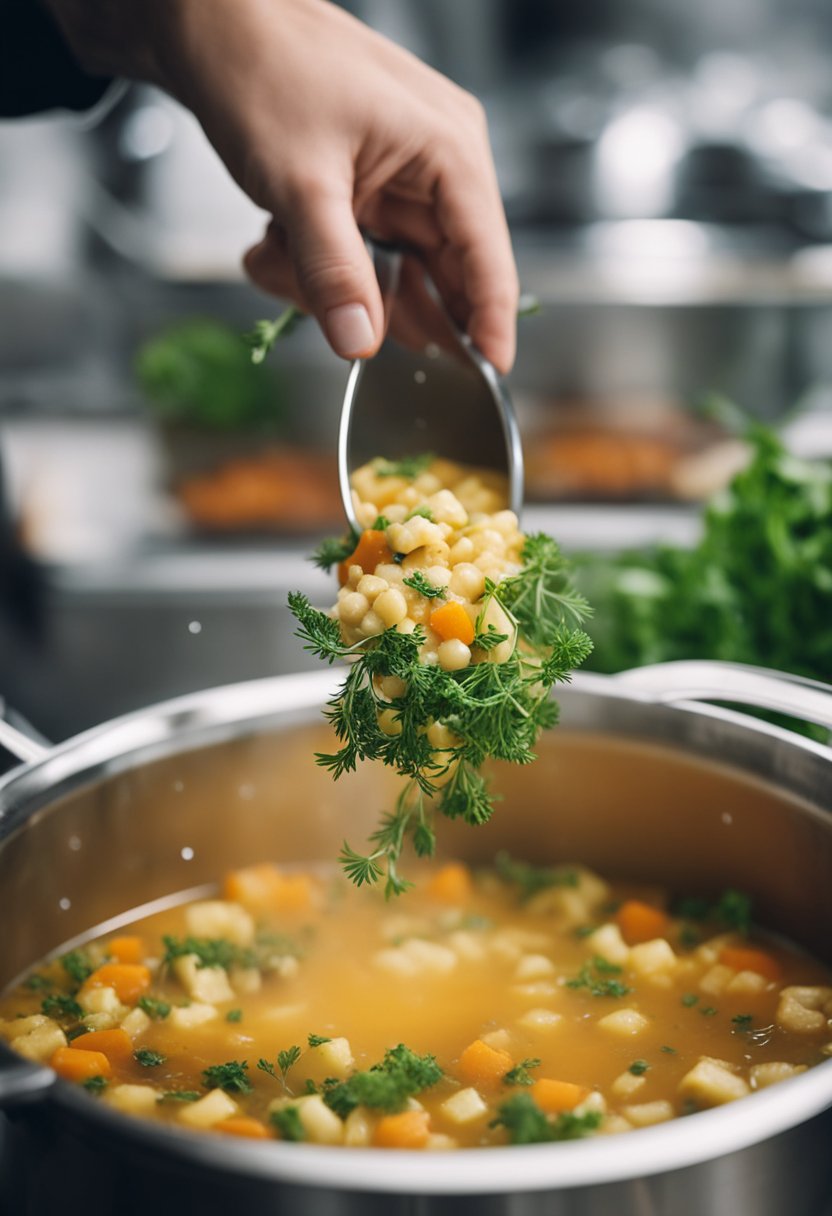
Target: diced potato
135,1023
431,957
709,1083
438,1142
336,1056
189,1016
206,984
100,1000
467,945
645,1114
624,1022
609,944
322,1126
220,918
594,1101
540,1019
133,1099
207,1111
708,952
567,903
358,1128
396,963
19,1026
535,992
650,957
716,979
533,967
465,1106
41,1043
747,983
245,980
103,1021
499,1039
614,1125
801,1008
763,1075
510,944
626,1084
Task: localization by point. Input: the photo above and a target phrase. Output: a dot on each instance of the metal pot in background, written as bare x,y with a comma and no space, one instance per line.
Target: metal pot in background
640,781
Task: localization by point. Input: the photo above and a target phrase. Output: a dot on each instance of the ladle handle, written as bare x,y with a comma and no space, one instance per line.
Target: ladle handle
23,745
733,684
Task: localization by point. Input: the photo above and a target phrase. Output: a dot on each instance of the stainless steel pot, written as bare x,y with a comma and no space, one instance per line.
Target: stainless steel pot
640,780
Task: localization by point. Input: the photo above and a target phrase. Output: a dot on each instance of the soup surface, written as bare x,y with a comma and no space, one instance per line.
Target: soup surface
513,1005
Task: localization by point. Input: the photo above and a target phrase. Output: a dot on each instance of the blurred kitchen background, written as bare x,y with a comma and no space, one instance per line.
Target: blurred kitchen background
667,172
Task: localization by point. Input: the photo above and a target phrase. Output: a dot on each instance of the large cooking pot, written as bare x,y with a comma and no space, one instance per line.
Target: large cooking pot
639,781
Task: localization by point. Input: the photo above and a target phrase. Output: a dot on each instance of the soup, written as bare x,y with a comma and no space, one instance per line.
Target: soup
514,1004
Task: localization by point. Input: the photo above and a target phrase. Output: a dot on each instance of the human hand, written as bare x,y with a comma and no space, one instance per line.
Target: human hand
332,129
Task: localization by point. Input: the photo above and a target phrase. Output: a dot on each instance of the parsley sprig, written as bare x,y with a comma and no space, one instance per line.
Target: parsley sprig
526,1123
594,976
386,1086
266,333
495,710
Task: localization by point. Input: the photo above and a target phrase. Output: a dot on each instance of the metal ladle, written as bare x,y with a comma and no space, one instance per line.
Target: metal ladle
446,399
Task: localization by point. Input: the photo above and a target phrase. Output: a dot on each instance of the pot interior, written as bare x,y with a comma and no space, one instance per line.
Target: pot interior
624,806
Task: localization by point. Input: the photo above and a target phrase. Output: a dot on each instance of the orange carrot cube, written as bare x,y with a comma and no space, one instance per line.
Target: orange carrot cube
557,1096
747,958
75,1065
126,949
452,884
452,621
371,551
130,980
242,1125
410,1129
640,922
116,1045
480,1064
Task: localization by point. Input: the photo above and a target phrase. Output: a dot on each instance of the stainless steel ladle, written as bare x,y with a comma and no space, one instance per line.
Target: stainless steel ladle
446,399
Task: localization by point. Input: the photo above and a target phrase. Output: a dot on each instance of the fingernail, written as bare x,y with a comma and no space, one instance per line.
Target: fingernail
350,330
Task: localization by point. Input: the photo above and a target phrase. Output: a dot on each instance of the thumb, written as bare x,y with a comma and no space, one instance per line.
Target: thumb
335,274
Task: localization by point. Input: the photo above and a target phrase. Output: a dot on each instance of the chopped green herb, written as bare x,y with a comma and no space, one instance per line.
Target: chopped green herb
209,951
743,1021
638,1068
334,550
421,583
95,1085
409,468
266,333
287,1059
317,1040
59,1006
490,639
234,1015
386,1086
38,983
154,1007
732,910
520,1074
591,976
180,1095
77,965
381,523
309,1086
708,1011
670,1051
690,999
288,1123
75,1033
583,931
230,1076
526,1123
531,879
148,1058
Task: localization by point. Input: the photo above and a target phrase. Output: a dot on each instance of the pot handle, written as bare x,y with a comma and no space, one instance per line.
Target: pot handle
22,1081
24,744
735,684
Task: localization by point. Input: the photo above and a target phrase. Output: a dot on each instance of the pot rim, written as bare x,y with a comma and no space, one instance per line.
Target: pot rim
231,711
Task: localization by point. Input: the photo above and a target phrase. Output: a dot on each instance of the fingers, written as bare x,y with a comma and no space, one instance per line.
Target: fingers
335,274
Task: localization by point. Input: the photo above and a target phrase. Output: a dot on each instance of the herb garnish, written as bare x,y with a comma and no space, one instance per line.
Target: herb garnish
409,468
287,1121
421,583
317,1040
148,1058
529,878
59,1006
520,1074
334,550
154,1007
386,1086
234,1015
230,1076
209,951
180,1095
526,1123
95,1085
38,983
285,1060
77,965
743,1021
591,976
732,910
265,333
638,1068
690,999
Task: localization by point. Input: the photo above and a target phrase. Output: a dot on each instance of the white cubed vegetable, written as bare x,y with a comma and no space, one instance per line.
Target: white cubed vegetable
465,1106
336,1056
245,980
207,1111
624,1022
206,984
534,992
220,918
100,1000
594,1102
609,944
358,1128
322,1125
747,983
438,1142
645,1114
716,979
396,963
102,1021
614,1125
626,1084
467,945
431,957
763,1075
446,508
650,957
498,1039
533,967
133,1099
710,1083
40,1043
801,1008
189,1016
19,1026
135,1023
540,1020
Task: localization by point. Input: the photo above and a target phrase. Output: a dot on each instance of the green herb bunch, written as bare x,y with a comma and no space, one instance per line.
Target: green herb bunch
493,710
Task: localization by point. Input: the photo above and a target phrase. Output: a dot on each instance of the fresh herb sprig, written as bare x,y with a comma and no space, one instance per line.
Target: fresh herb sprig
526,1123
530,879
265,334
521,1073
231,1076
386,1086
595,977
494,710
409,468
